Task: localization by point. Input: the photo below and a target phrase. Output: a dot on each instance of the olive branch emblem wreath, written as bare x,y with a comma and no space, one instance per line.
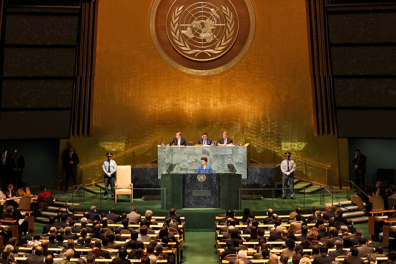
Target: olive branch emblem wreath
221,45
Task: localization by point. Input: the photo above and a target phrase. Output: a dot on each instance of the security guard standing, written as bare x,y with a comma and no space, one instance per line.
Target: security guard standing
109,168
288,167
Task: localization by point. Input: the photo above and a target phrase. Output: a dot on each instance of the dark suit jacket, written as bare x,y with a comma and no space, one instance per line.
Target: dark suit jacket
113,217
35,259
19,163
337,252
208,141
323,259
229,141
268,220
114,245
93,215
138,244
228,251
274,236
105,254
183,142
74,158
353,260
328,215
361,162
174,217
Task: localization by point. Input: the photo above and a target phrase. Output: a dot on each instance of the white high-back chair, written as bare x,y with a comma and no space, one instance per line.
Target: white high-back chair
124,182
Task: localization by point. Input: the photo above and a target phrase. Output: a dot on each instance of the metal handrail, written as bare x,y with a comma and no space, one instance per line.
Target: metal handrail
115,156
77,189
357,187
326,167
303,160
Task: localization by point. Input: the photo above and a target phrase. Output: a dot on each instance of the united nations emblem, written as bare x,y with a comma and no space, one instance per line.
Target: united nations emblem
202,37
201,177
203,31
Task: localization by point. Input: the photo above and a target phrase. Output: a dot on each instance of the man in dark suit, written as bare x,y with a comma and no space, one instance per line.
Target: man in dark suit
112,216
122,254
304,233
93,215
137,244
62,223
349,223
352,257
178,140
329,212
339,250
269,219
205,141
17,164
37,258
225,140
323,258
360,168
172,215
275,235
230,249
70,161
111,243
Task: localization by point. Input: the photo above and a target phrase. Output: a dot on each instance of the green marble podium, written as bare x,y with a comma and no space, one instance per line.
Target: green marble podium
210,190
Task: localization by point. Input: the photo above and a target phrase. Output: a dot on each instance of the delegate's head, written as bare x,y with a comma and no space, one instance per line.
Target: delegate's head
204,160
71,149
3,148
10,187
205,136
134,209
109,155
225,134
378,184
287,155
357,152
178,135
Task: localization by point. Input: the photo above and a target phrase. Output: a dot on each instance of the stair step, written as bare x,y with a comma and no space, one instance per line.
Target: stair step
311,189
279,183
48,213
59,203
100,185
92,189
349,208
302,185
56,209
42,219
353,214
359,220
342,203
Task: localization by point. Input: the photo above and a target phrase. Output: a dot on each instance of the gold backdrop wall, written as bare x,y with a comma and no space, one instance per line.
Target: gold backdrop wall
139,98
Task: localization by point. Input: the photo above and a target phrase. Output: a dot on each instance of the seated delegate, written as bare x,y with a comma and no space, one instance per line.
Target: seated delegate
204,167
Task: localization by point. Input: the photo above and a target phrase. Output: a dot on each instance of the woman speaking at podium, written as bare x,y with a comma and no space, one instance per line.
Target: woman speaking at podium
204,168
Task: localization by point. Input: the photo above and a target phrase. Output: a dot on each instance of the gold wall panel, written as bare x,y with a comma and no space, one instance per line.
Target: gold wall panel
139,98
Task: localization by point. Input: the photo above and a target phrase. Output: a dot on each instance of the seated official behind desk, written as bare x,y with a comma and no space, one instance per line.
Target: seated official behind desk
225,140
178,140
204,168
205,141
